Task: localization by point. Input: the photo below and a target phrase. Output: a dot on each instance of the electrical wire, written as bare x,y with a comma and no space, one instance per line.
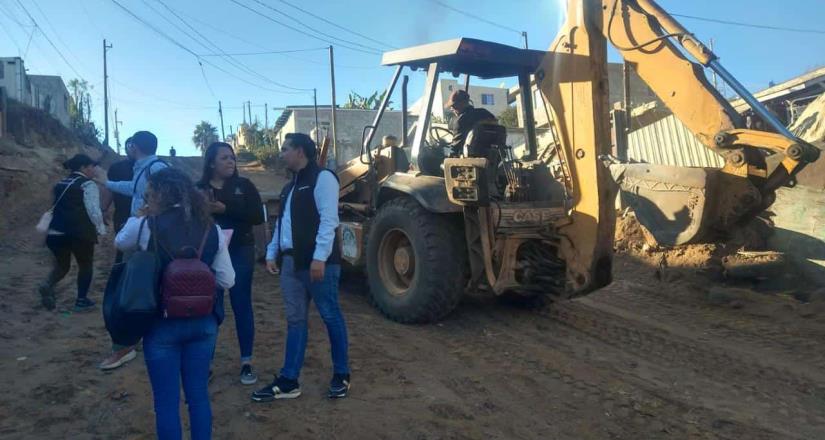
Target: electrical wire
49,40
301,31
54,32
751,25
337,25
190,51
270,52
255,44
234,60
476,17
353,43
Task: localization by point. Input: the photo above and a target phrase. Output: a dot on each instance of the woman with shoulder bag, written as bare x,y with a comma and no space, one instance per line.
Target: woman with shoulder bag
235,204
76,221
179,349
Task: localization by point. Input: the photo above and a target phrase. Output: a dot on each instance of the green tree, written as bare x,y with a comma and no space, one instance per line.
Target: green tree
204,134
372,102
509,117
80,112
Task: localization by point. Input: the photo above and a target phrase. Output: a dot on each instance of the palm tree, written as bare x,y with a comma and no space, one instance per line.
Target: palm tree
205,133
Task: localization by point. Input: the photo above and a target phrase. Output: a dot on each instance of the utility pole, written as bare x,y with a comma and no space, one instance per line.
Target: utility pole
266,124
220,112
332,159
249,106
117,133
243,107
524,35
315,106
105,95
234,137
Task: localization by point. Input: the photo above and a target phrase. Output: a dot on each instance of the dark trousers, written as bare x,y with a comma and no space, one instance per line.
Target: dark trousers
240,296
63,247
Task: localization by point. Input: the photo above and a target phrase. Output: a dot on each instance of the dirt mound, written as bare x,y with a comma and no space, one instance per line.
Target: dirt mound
31,157
633,239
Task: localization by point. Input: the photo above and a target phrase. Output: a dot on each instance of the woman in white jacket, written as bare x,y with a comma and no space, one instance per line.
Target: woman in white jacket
76,223
179,350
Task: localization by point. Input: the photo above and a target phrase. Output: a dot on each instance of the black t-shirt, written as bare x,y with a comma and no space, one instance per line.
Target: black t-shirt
119,172
464,123
243,209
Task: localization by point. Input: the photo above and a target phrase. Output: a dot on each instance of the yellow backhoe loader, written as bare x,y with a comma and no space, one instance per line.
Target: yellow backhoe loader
520,224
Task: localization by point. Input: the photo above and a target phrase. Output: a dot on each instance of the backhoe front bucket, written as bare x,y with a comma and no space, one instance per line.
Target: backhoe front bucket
670,202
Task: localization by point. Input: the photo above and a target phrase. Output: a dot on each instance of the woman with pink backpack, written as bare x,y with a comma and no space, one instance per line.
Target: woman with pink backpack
193,258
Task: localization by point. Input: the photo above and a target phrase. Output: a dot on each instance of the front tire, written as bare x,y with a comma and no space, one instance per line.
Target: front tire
416,262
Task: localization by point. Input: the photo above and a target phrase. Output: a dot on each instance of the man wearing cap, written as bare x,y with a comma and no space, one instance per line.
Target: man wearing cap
145,146
466,117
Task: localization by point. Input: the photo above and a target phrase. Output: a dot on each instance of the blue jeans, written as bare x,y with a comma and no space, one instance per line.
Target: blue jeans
298,291
240,295
175,350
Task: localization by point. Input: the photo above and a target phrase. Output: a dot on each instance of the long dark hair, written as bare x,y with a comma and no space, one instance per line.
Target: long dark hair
209,161
170,187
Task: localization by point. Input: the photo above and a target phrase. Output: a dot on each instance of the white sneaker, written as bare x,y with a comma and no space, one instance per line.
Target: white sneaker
118,358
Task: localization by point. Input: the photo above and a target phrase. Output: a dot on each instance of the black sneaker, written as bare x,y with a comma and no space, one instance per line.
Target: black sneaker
339,386
47,296
280,388
83,305
248,376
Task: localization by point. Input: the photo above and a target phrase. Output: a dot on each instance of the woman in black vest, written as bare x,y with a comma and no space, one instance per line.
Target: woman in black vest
180,349
76,223
235,204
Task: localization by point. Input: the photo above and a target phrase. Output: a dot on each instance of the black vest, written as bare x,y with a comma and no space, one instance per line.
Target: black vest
305,217
70,216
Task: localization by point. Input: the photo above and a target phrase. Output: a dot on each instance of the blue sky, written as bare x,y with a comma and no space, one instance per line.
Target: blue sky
159,86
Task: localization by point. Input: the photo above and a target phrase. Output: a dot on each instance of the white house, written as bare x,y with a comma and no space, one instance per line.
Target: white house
493,99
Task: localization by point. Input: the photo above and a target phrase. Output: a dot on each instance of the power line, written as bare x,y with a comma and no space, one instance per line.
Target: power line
49,40
353,43
54,31
476,17
301,31
190,51
336,25
270,52
255,44
235,60
751,25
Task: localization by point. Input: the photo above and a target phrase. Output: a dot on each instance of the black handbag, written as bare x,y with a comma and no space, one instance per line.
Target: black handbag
140,281
130,300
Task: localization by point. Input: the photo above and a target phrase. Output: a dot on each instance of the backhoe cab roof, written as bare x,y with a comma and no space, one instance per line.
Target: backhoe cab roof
478,58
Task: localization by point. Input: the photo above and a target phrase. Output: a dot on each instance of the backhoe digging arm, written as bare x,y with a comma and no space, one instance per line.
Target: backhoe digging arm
573,81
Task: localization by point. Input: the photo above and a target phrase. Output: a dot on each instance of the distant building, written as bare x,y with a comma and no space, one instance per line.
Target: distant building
49,94
350,126
13,78
493,99
640,94
46,92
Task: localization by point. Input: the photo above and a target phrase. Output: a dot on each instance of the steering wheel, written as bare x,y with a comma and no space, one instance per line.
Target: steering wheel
439,134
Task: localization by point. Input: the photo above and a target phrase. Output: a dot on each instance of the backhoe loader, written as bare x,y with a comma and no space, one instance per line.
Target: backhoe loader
495,221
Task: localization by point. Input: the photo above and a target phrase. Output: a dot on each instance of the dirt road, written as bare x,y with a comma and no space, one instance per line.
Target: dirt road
641,359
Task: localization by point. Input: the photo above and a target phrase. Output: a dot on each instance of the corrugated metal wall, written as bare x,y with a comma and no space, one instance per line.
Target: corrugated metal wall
668,142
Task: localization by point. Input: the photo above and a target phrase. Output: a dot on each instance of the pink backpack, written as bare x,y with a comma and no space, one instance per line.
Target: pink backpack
188,286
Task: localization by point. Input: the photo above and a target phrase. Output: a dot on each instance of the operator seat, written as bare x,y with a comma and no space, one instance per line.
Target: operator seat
487,140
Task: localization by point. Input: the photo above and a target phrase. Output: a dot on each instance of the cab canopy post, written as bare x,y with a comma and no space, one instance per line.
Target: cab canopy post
425,113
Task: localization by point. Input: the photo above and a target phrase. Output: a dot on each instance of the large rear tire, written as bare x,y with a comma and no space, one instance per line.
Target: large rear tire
416,262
